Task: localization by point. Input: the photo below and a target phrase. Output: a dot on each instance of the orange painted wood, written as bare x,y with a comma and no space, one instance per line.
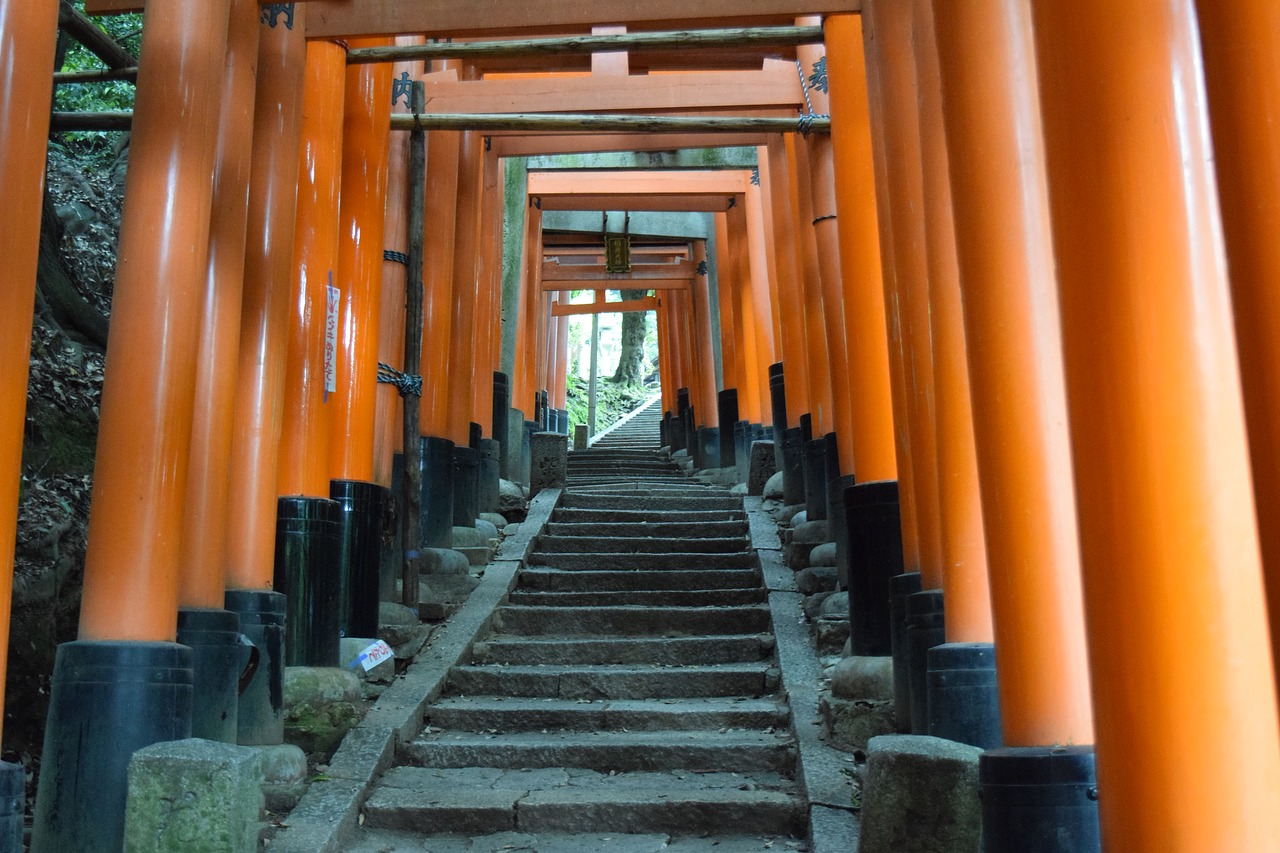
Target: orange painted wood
553,271
560,373
1243,77
264,312
457,18
786,278
440,226
304,442
891,77
524,382
148,397
1187,742
964,550
747,222
666,359
639,183
1008,281
647,303
362,220
526,146
727,283
820,353
27,36
873,454
202,583
704,346
489,294
687,202
603,285
466,269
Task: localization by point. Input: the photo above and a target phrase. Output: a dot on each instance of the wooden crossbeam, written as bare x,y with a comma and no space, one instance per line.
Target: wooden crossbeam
552,271
648,303
620,283
583,123
530,146
585,44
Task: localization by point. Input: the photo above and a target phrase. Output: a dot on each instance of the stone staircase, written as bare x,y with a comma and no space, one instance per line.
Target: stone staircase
641,430
628,690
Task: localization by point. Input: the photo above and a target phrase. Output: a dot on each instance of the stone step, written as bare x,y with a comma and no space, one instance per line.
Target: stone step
641,598
504,714
629,516
548,579
710,501
584,483
731,751
643,545
683,530
614,681
479,801
654,651
603,561
630,621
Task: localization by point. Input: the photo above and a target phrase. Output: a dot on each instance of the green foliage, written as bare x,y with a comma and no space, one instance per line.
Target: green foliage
98,97
613,400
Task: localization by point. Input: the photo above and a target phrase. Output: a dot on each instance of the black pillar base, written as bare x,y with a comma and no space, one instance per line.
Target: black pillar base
873,526
490,473
308,546
925,629
778,396
964,704
727,407
900,588
107,700
708,448
260,717
435,512
742,449
815,479
12,798
466,486
360,518
393,543
1039,800
838,525
501,419
792,466
219,654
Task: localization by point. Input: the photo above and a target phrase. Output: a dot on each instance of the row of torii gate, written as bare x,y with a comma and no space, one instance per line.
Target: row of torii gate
1030,274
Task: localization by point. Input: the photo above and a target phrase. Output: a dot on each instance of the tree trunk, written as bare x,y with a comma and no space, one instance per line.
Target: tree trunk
634,327
73,314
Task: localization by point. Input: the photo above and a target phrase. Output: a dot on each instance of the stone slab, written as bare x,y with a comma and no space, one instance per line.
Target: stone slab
920,795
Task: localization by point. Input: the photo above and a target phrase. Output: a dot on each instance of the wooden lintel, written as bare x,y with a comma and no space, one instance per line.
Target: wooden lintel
620,283
586,44
584,123
648,303
532,146
638,181
465,18
695,90
686,203
552,271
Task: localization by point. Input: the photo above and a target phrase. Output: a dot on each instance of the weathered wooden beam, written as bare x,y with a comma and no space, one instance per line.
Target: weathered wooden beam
96,76
61,122
468,18
620,283
531,146
78,25
585,44
638,181
554,272
648,303
584,123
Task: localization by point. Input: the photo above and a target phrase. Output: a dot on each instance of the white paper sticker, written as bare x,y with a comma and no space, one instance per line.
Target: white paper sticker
372,656
331,337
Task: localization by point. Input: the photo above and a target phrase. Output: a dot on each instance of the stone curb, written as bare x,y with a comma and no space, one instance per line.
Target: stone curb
329,812
823,771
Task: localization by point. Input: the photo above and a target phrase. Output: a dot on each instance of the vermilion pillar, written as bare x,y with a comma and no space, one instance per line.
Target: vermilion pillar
559,379
144,435
872,427
366,130
1007,278
264,315
891,82
27,35
708,415
775,183
964,551
1240,65
1187,743
819,352
440,226
524,382
665,358
310,374
748,225
466,269
488,291
203,580
727,284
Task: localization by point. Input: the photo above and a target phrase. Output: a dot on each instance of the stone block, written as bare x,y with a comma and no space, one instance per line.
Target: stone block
773,487
830,635
920,795
816,579
863,678
762,466
549,466
849,724
788,512
835,607
349,648
796,555
498,520
442,561
321,705
193,795
812,533
823,555
580,436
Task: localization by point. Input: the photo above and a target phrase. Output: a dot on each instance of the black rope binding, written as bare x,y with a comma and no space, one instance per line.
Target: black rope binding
395,257
405,384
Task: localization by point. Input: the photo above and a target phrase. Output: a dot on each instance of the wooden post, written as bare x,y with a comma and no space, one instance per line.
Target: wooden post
27,36
264,313
304,443
1240,49
465,285
440,222
708,411
821,352
203,579
788,292
411,490
727,284
1187,743
1007,275
148,398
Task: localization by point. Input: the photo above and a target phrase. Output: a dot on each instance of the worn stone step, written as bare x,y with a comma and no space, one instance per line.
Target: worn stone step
662,529
683,651
625,681
732,751
608,516
635,621
546,578
642,545
480,800
604,561
505,714
721,500
641,598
